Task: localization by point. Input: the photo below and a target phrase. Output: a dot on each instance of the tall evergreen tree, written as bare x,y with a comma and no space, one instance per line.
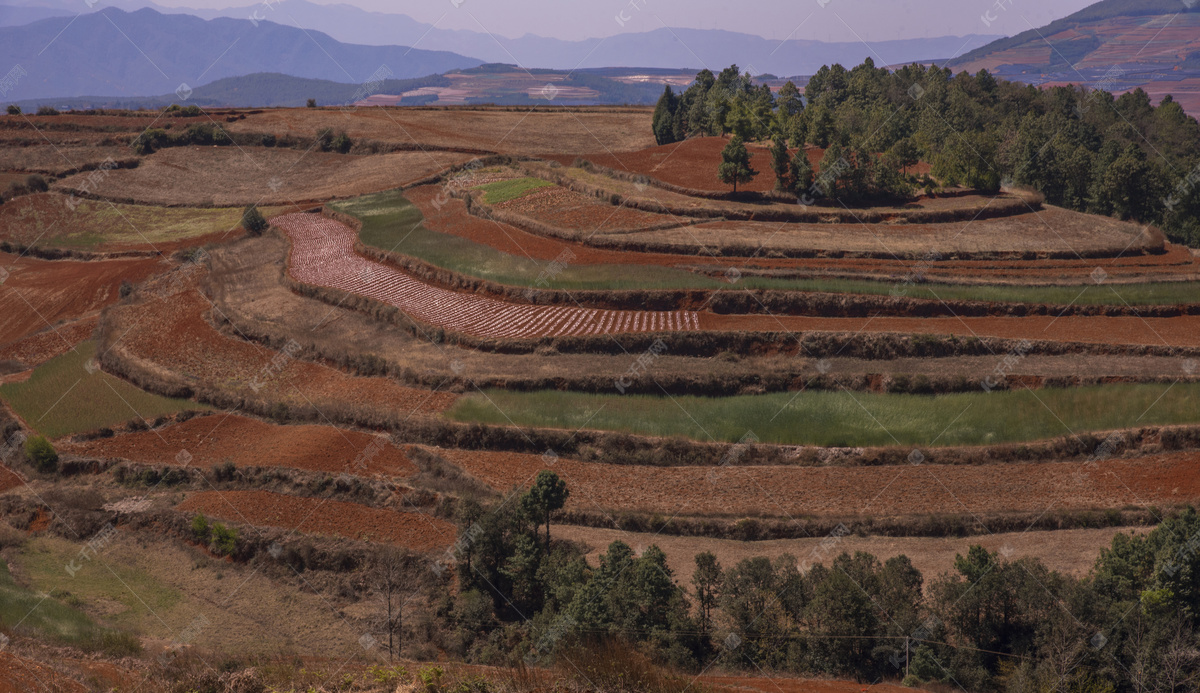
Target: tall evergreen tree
735,164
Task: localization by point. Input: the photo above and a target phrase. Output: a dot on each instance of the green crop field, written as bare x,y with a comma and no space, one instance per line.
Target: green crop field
390,222
505,190
26,611
62,397
847,419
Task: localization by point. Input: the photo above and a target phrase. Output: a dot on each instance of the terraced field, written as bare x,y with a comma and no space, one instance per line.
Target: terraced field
323,255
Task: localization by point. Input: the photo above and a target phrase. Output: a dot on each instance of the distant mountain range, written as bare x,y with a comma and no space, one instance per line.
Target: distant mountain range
662,48
1114,45
143,53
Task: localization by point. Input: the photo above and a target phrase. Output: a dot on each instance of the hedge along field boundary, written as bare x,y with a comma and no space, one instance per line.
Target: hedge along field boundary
52,253
621,448
739,301
933,526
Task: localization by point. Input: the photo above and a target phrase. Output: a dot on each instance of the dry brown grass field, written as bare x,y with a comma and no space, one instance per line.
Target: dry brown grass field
237,176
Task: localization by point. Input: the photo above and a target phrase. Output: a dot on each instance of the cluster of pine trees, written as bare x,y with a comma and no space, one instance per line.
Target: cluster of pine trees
1082,148
991,623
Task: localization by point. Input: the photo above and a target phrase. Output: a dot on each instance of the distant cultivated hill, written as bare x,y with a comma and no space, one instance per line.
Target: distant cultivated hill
1115,45
263,89
499,84
145,53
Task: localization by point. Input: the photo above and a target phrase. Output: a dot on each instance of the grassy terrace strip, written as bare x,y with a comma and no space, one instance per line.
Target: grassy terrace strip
392,223
845,419
62,398
29,612
505,190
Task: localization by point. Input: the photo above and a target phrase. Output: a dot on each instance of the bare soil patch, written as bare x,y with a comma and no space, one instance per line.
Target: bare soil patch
790,492
60,159
171,333
36,349
235,176
507,131
691,163
37,294
249,442
412,530
21,675
1181,331
9,479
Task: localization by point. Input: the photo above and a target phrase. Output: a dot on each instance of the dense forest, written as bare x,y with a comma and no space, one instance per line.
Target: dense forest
993,623
1082,148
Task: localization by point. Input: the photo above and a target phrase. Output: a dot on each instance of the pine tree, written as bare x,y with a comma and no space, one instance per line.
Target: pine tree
735,164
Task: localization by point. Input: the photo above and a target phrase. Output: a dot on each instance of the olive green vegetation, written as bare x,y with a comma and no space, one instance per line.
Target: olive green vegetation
847,419
62,397
390,222
48,616
505,190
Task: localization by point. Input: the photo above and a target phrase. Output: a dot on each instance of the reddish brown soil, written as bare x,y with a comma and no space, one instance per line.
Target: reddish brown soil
1178,331
416,531
247,442
20,675
847,491
173,334
9,479
39,293
691,163
36,349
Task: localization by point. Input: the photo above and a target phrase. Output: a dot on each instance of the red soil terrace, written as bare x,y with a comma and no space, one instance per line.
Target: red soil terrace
210,440
1165,479
412,530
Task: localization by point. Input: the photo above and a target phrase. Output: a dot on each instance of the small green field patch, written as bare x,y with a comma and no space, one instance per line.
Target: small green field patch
63,397
505,190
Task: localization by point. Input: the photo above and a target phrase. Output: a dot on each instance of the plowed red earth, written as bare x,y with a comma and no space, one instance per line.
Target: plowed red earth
1183,331
20,675
691,163
247,442
9,479
40,293
172,334
323,254
315,516
451,217
36,349
841,491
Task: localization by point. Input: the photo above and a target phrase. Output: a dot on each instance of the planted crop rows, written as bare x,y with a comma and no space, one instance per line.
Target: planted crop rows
323,254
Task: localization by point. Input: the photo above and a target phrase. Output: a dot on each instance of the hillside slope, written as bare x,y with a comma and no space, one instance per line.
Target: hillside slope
145,53
1114,45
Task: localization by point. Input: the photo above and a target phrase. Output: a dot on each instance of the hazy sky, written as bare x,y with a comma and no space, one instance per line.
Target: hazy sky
828,20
